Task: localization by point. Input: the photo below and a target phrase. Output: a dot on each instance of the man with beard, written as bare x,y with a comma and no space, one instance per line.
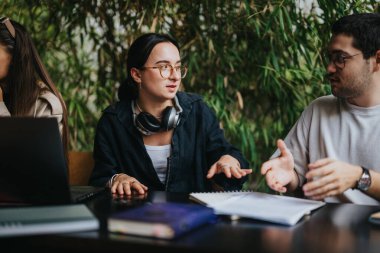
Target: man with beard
331,153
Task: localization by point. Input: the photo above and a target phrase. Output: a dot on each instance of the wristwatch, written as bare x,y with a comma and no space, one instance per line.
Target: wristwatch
365,180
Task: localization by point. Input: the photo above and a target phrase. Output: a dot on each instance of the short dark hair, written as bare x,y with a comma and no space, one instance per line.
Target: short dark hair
138,54
365,30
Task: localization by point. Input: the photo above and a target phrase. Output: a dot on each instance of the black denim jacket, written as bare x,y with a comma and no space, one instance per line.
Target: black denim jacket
197,143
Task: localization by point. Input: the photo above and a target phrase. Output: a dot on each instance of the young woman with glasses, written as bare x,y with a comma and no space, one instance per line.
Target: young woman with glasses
158,138
25,86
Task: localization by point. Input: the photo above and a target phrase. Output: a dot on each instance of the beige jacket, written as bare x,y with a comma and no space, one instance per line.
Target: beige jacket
46,105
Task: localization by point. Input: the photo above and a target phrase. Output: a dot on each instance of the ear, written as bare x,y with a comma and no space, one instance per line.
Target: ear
376,67
136,75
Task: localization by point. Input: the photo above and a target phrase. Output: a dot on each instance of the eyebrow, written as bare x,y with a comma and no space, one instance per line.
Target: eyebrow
337,51
165,61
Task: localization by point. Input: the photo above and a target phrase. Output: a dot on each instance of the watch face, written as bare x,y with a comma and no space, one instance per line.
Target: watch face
363,184
364,181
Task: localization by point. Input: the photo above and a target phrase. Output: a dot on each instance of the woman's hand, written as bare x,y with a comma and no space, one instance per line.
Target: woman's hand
124,184
228,165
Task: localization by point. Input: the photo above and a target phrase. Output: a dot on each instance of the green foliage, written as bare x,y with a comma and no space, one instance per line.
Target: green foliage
257,63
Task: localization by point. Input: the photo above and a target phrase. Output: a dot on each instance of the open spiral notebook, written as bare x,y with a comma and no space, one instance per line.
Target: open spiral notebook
256,205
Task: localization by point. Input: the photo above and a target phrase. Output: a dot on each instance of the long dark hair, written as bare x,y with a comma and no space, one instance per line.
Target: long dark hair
25,71
138,54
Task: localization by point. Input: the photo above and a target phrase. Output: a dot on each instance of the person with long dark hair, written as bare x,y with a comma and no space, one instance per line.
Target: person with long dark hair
26,89
158,138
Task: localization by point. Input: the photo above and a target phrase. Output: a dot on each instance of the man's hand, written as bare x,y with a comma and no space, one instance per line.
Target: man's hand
328,177
279,172
1,95
228,165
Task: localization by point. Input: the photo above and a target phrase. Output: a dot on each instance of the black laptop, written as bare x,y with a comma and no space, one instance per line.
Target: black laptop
32,165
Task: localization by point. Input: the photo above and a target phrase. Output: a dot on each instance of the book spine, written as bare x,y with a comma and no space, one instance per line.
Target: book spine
192,221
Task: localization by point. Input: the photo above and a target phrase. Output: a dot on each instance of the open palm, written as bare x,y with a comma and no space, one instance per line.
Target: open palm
279,171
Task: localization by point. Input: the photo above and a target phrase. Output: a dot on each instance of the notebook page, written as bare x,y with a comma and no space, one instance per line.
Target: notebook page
262,206
210,198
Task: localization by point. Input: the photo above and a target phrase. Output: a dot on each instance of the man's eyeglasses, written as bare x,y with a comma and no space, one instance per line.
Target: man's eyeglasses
339,59
6,21
167,70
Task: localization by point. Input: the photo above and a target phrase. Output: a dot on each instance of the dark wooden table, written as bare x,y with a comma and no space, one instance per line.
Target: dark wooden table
338,228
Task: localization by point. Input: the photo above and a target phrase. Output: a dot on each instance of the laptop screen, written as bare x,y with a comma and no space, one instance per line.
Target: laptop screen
32,165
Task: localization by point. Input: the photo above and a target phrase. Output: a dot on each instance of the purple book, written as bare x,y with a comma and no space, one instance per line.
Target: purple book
161,220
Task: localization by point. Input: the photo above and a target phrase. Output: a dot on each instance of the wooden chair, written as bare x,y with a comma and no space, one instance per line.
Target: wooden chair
81,164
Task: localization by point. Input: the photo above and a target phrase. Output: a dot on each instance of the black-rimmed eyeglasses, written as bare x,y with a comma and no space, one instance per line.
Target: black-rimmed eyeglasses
167,70
339,59
8,24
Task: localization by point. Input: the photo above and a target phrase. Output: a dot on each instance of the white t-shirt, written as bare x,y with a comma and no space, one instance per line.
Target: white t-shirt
331,127
159,156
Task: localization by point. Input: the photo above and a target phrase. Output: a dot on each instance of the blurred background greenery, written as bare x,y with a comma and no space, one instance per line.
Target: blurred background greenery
257,63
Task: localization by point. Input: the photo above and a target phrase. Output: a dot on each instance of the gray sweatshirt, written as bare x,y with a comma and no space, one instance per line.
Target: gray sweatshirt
331,127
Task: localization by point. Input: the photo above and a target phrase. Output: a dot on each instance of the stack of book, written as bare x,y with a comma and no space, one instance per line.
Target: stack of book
18,221
161,220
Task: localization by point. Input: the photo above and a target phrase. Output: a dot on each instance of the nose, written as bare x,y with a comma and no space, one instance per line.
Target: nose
174,75
331,68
